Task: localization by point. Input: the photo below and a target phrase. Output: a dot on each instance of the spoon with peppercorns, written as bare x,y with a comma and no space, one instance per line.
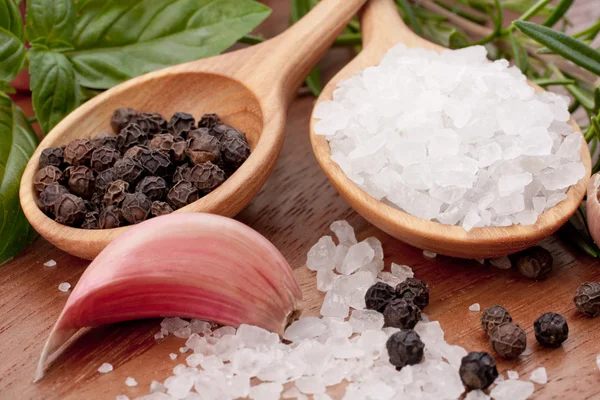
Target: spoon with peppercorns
249,89
382,28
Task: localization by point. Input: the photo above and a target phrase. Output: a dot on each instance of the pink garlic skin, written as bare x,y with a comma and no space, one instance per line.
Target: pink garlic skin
188,265
592,207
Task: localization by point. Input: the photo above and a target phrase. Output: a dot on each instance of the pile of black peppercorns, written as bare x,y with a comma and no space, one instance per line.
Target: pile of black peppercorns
149,167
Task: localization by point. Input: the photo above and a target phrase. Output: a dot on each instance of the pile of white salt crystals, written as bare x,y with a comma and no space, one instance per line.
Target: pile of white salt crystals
453,138
344,347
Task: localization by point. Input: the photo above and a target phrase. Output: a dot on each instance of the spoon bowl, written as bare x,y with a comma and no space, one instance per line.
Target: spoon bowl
382,28
250,89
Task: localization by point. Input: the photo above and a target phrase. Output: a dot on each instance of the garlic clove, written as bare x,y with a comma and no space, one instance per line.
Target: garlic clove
592,207
188,265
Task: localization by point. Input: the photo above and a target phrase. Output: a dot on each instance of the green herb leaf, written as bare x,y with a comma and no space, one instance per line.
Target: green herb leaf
119,39
410,14
519,53
10,18
12,55
596,100
562,44
53,85
559,12
49,21
299,9
17,143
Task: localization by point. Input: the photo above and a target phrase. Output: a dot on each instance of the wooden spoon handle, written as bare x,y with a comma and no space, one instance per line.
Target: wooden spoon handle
296,51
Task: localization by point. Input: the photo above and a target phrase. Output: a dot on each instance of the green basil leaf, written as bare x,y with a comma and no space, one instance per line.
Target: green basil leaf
12,55
10,18
54,88
562,44
119,39
17,143
53,20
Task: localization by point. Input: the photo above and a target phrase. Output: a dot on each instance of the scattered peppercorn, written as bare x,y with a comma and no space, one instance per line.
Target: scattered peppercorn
46,176
158,166
405,348
508,340
415,290
551,329
52,156
494,316
478,370
401,313
121,118
378,296
81,181
535,263
587,298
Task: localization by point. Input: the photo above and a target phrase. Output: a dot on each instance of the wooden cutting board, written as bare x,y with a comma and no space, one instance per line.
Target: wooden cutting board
293,210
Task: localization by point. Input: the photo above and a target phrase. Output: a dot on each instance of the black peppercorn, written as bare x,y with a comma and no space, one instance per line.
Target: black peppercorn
91,220
551,329
162,142
182,173
135,207
46,176
110,217
105,178
508,340
115,193
405,348
131,135
91,206
135,151
587,298
221,129
203,147
378,296
69,210
129,169
182,194
206,176
494,316
82,181
155,162
401,313
209,121
181,124
151,123
51,156
178,151
535,263
79,152
160,208
154,187
104,158
415,290
478,370
234,150
105,138
49,196
121,118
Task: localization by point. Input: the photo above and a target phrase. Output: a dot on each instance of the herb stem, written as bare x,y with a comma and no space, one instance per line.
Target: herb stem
554,82
348,40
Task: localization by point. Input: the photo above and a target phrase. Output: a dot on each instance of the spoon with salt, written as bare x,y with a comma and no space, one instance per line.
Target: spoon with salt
382,28
250,89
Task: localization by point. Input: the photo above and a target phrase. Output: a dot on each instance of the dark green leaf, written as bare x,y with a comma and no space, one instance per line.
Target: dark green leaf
519,53
299,9
410,15
596,100
12,55
313,81
52,20
10,18
119,39
53,85
564,45
5,88
559,12
17,143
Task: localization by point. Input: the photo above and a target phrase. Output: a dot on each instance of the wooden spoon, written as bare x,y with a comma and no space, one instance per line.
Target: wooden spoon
382,28
250,89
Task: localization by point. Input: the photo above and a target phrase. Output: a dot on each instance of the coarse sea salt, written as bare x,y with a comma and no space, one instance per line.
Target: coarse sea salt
475,307
50,264
105,368
453,138
346,344
64,287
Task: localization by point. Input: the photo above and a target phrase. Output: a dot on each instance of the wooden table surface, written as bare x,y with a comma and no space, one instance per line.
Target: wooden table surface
293,210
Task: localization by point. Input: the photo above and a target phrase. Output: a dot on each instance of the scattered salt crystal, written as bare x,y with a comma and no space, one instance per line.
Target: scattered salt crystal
376,246
50,263
197,326
344,232
293,393
388,278
159,336
194,360
325,279
130,381
64,287
310,385
184,350
598,361
512,390
179,386
121,397
304,328
105,368
512,374
335,305
429,254
266,391
223,331
480,260
321,396
476,395
365,320
322,255
402,272
359,254
475,307
501,262
173,356
539,376
157,387
253,336
173,324
183,333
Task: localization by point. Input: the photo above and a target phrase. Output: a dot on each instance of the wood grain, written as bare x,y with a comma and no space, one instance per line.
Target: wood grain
293,209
